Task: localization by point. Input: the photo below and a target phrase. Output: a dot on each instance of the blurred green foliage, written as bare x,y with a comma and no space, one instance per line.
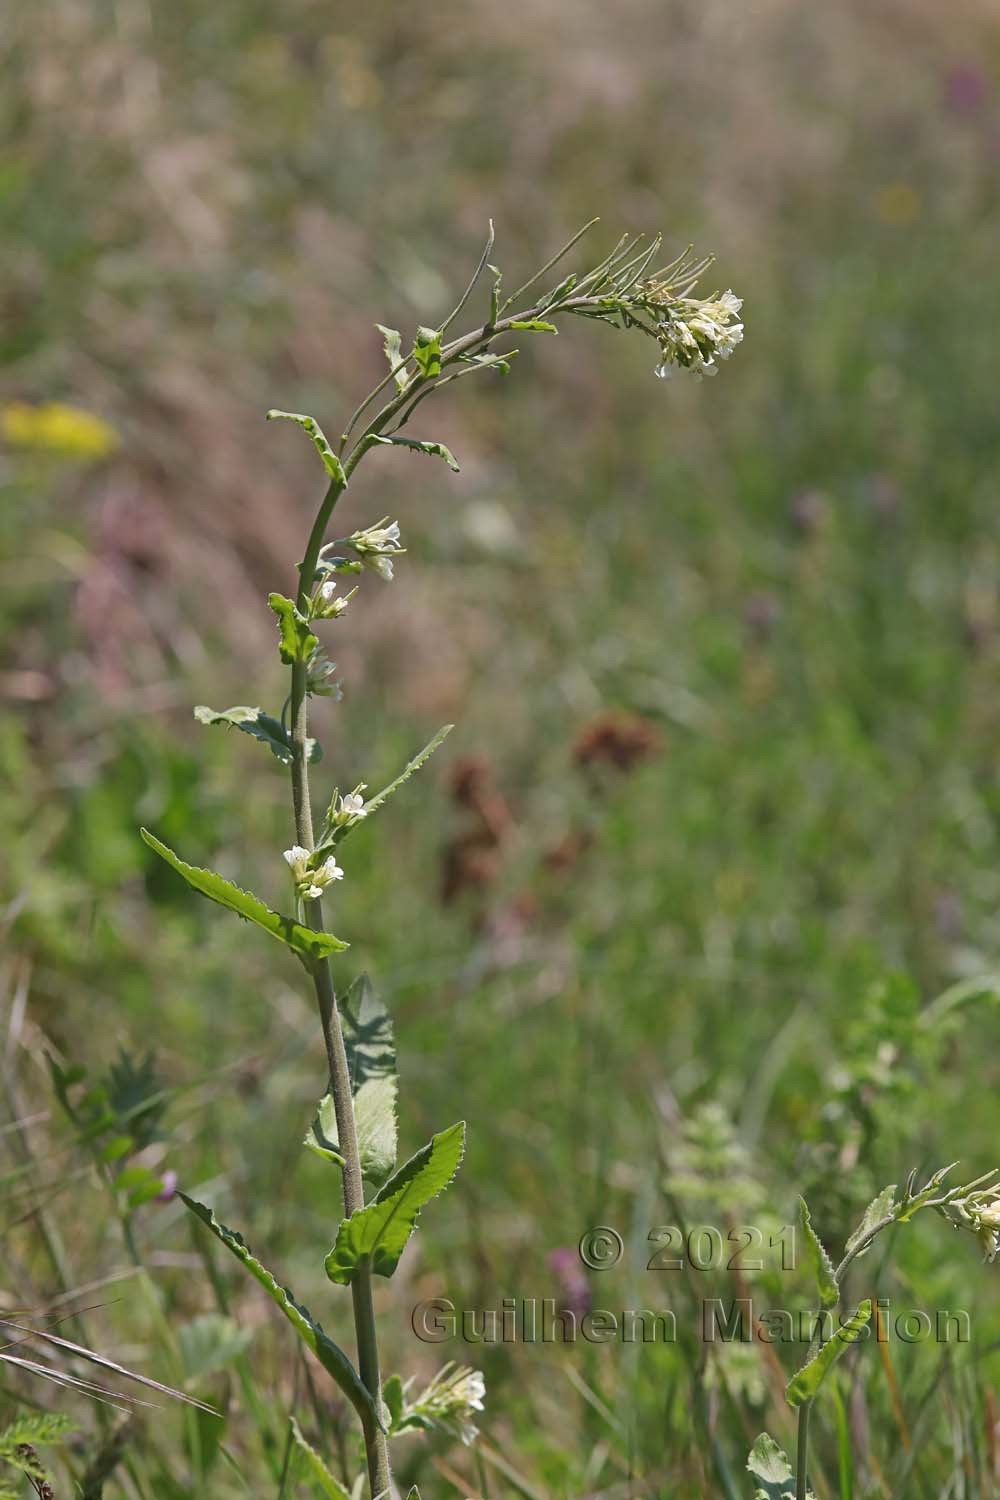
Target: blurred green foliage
788,577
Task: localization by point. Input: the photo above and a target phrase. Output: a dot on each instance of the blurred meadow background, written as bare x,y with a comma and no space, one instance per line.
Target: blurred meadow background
666,918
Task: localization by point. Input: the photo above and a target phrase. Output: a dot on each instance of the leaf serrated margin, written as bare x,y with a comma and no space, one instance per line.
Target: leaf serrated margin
805,1383
378,1233
330,1355
309,945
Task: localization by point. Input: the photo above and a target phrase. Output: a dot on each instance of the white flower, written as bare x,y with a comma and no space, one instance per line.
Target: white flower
450,1399
979,1212
693,334
297,859
353,805
329,608
377,546
310,884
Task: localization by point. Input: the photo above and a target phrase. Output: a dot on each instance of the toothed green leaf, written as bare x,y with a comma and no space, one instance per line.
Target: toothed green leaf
331,1357
427,351
254,721
314,1467
296,641
371,1058
773,1473
437,450
331,462
392,345
378,1233
302,940
878,1209
826,1280
410,769
805,1383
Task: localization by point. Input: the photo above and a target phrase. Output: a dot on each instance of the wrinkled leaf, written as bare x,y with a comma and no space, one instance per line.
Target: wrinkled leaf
804,1385
314,1467
427,351
392,345
773,1473
331,462
826,1280
374,1122
378,1233
296,641
254,721
302,940
438,450
877,1210
371,1058
331,1357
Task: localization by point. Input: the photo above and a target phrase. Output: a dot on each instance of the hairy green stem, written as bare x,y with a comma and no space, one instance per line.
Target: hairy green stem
802,1451
376,1448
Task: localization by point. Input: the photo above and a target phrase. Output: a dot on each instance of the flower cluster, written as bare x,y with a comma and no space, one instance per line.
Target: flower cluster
449,1401
980,1213
309,883
693,333
377,546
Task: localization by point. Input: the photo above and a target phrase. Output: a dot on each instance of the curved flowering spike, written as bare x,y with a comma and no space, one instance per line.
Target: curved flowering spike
331,462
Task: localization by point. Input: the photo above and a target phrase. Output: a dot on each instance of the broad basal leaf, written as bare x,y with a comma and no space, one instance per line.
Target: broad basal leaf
371,1057
314,1467
331,462
771,1471
302,940
296,641
271,732
807,1381
826,1280
377,1234
331,1357
392,346
437,450
427,351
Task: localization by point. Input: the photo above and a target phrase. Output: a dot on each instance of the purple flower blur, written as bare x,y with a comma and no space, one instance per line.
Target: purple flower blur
574,1288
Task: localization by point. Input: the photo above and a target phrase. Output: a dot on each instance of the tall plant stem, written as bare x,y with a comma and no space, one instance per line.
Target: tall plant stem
376,1448
802,1451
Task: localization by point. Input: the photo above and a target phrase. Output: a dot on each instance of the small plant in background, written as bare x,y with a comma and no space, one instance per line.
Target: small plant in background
20,1441
354,1128
974,1206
